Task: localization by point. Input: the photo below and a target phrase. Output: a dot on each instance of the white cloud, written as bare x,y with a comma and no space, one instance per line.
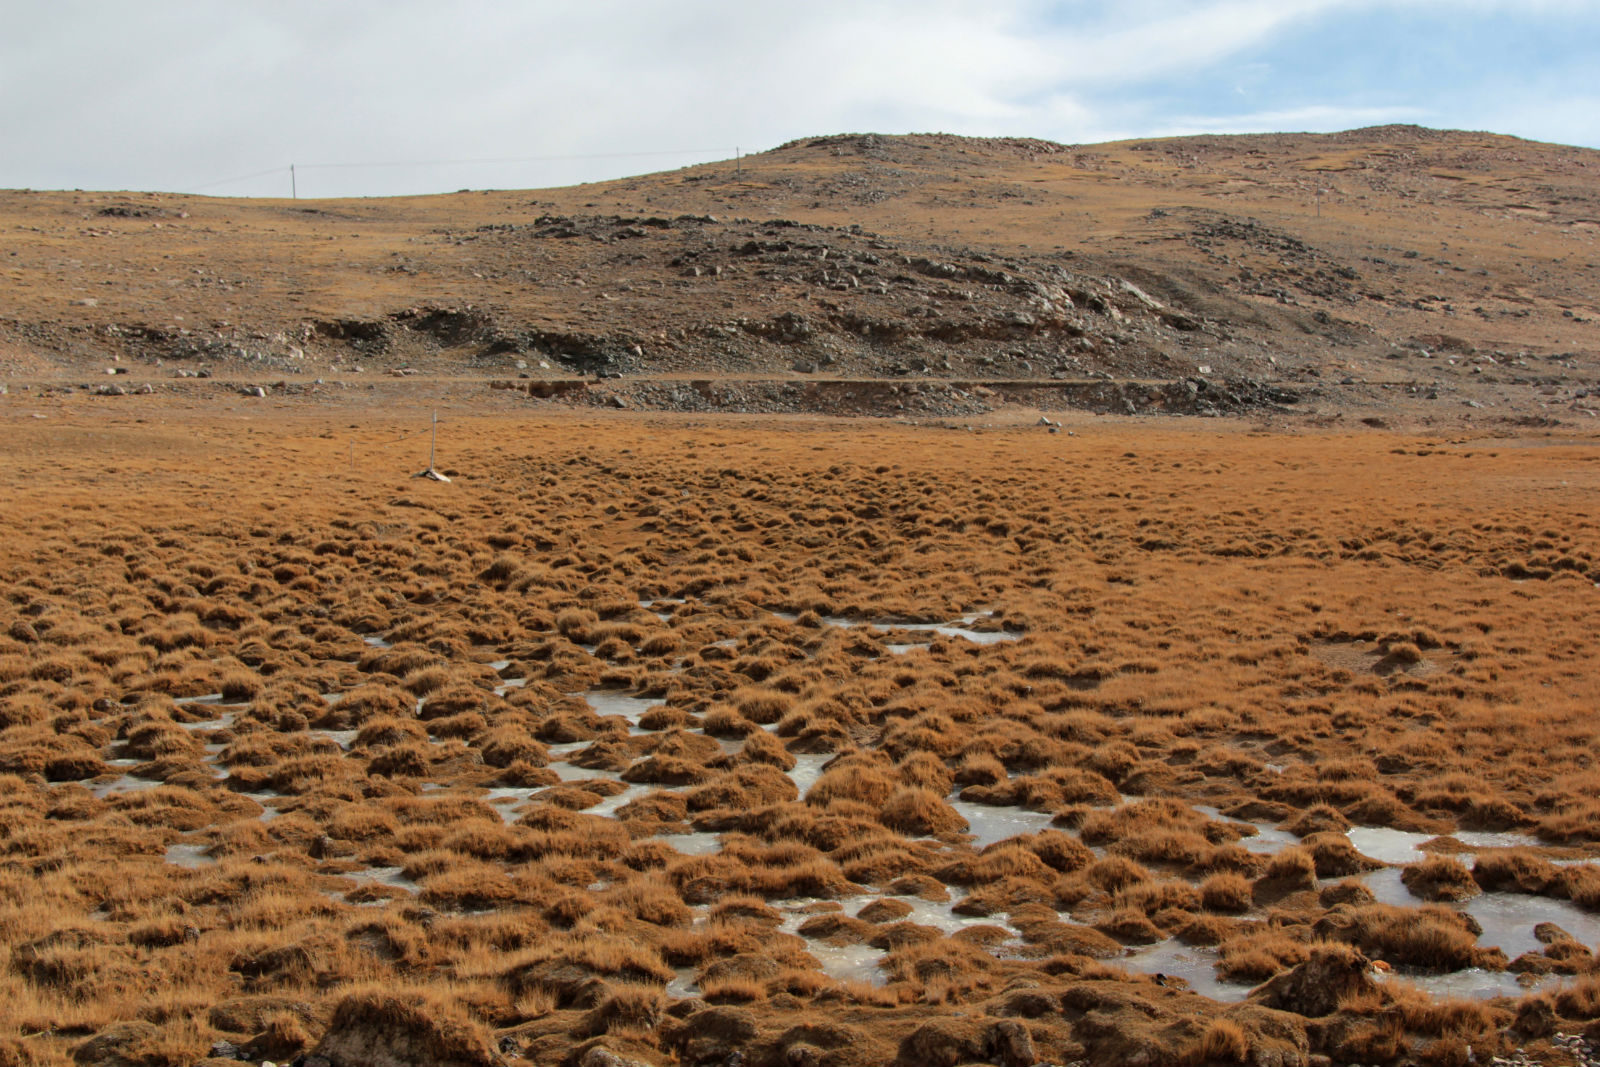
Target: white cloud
177,93
1314,118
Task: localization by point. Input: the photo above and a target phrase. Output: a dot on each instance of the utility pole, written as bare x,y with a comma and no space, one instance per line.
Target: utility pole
432,472
294,190
738,161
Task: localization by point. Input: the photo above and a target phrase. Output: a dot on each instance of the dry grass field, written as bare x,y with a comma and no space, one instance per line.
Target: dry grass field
825,743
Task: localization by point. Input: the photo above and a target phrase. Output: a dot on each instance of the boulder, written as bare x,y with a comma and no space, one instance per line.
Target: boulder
1315,987
379,1029
713,1035
948,1042
252,1014
944,1043
118,1045
1011,1044
574,985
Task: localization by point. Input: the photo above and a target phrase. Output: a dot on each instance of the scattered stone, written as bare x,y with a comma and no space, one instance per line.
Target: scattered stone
252,390
599,1056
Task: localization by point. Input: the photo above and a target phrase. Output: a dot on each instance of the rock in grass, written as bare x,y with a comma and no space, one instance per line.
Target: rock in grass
947,1042
1315,987
599,1056
115,1045
379,1029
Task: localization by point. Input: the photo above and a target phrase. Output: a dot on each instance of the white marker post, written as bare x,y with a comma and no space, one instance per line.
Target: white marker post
431,472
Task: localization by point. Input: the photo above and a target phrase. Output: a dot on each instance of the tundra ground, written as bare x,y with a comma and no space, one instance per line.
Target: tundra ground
829,742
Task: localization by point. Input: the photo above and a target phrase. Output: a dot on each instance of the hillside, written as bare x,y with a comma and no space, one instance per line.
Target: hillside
1384,268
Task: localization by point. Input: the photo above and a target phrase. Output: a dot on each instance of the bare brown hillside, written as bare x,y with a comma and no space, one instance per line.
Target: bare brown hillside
1388,267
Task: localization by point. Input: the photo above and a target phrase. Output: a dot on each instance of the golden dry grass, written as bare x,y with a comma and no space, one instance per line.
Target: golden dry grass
1193,672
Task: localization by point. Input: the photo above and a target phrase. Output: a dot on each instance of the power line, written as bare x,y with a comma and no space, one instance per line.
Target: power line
514,159
291,167
240,178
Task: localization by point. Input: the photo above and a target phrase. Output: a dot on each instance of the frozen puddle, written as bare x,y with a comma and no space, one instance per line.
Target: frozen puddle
1471,984
941,916
268,812
698,843
860,963
1507,919
389,876
667,601
125,783
608,807
569,772
506,800
342,738
221,722
807,769
1405,846
1197,966
208,700
962,628
843,963
1268,839
683,987
184,855
1389,846
988,825
616,702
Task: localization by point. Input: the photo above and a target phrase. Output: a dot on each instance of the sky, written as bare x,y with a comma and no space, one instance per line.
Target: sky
388,97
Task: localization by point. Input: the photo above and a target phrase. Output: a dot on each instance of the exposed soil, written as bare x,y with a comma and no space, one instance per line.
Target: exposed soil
1395,274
